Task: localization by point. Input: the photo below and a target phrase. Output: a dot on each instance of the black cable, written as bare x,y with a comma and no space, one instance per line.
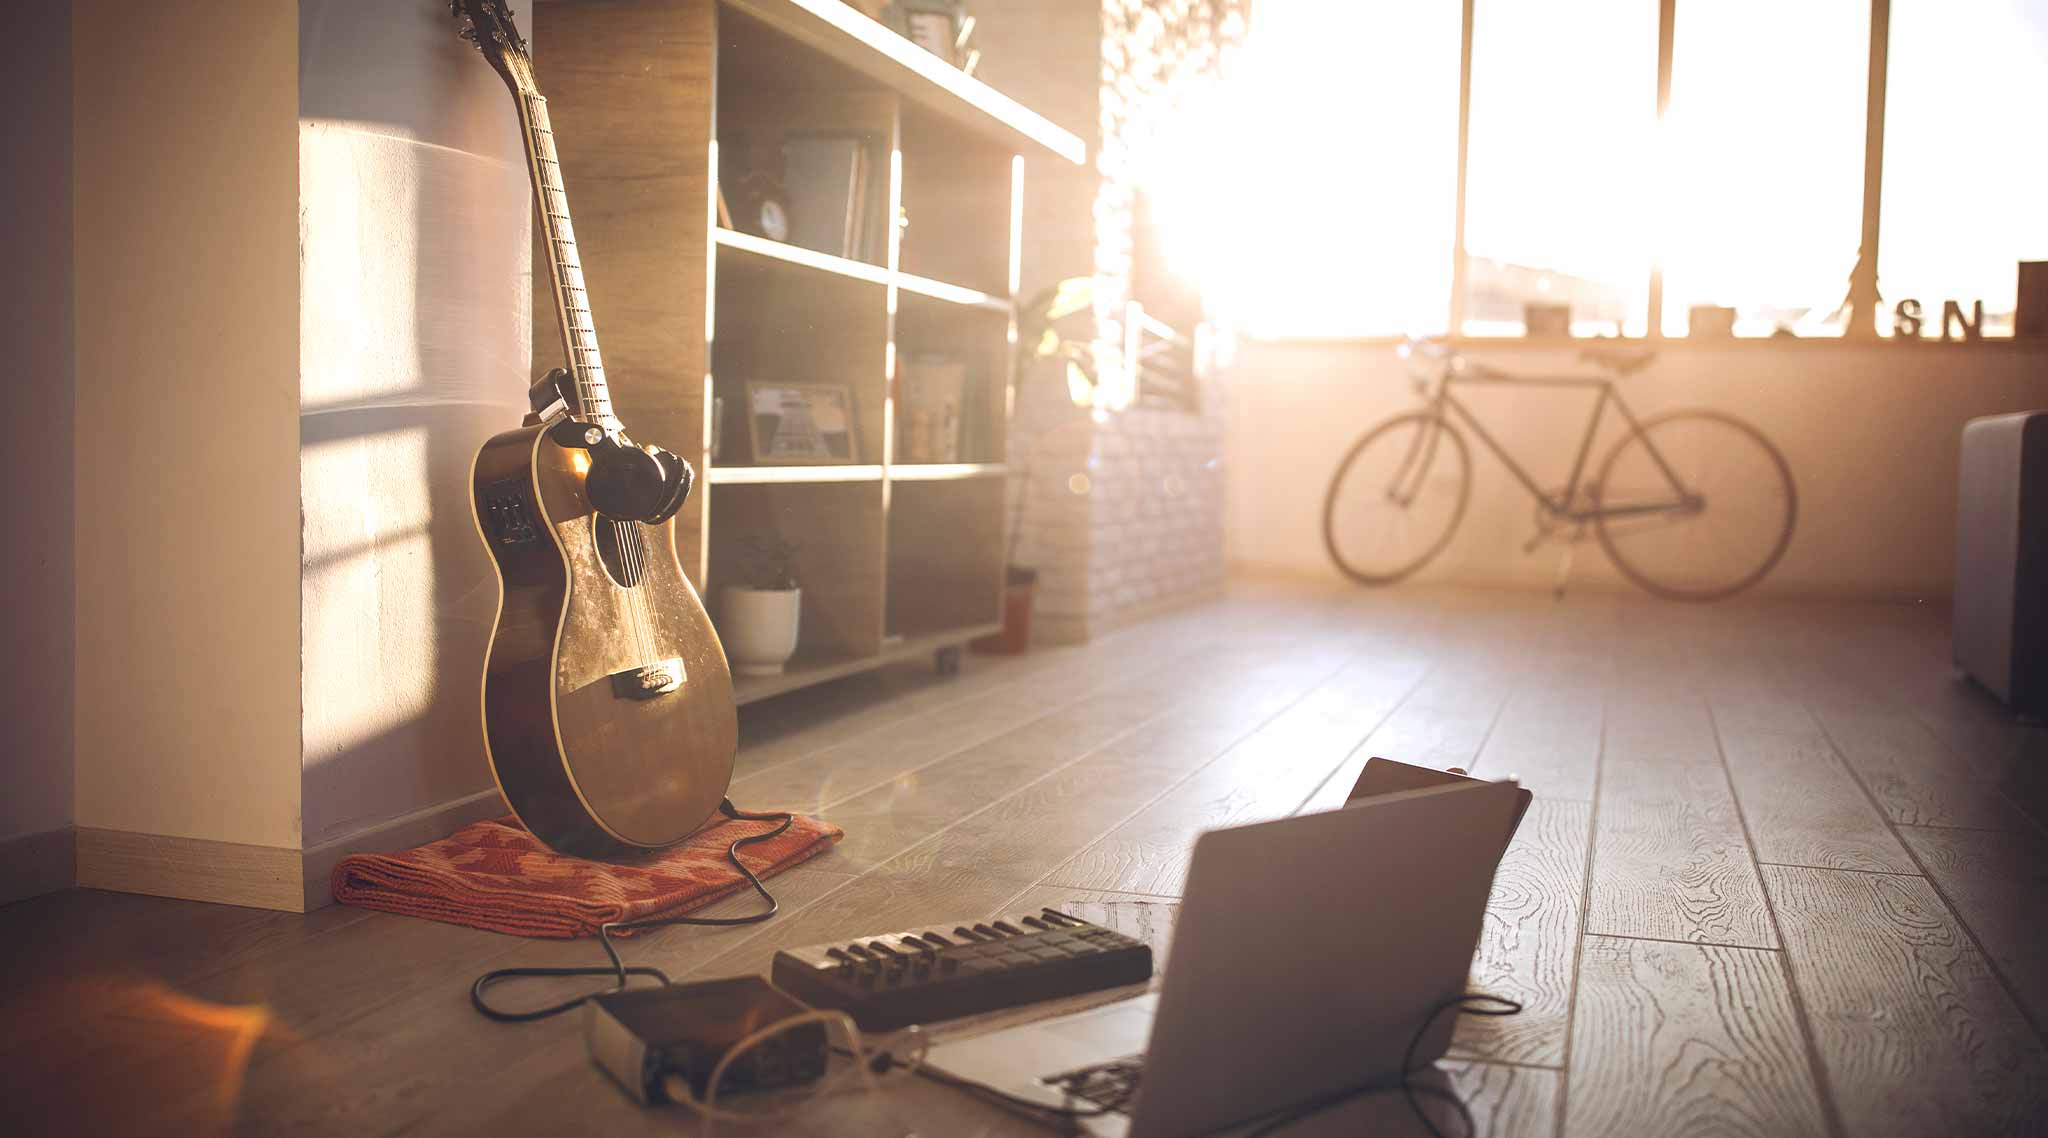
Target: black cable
1502,1006
618,967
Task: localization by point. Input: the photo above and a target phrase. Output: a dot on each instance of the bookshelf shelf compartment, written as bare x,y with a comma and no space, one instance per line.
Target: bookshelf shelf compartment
945,556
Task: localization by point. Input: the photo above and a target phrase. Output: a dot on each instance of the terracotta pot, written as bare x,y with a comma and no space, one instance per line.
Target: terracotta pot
1019,587
758,628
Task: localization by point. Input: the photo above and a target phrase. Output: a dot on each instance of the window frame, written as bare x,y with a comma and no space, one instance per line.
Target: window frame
1862,302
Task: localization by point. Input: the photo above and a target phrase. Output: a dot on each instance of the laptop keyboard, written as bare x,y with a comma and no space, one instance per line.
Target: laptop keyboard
1112,1085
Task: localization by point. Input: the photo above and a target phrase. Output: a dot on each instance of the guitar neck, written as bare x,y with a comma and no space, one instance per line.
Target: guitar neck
572,300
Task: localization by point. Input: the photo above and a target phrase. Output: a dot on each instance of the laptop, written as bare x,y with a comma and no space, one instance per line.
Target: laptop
1308,953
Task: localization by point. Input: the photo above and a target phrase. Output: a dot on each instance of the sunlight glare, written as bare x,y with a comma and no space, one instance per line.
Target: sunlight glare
1314,190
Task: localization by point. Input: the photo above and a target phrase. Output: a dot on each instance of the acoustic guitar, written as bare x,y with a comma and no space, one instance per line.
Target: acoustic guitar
608,708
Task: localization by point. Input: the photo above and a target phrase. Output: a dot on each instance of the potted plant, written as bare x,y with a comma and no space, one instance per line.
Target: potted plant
758,620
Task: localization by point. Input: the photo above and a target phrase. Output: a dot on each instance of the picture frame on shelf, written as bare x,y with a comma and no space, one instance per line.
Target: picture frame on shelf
801,424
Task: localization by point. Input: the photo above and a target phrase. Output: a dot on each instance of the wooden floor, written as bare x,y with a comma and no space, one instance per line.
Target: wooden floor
1784,875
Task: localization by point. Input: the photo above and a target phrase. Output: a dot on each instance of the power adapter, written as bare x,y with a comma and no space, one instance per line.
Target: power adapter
645,1036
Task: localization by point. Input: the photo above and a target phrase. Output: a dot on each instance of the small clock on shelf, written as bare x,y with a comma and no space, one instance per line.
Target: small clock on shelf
760,207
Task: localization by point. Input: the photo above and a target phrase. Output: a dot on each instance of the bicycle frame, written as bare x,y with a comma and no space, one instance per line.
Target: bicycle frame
1562,505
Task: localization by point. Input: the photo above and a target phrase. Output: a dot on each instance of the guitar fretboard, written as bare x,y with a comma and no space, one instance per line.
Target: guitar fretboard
572,301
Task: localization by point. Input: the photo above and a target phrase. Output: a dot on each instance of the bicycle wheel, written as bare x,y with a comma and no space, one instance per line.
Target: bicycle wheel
1716,532
1396,498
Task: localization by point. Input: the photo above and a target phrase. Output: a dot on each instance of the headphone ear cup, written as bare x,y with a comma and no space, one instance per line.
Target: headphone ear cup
625,482
678,476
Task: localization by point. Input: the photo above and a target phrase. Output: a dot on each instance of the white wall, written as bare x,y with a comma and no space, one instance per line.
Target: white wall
415,280
1870,432
185,200
36,769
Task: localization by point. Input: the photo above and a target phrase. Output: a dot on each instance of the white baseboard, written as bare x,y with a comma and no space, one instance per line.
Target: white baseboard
195,869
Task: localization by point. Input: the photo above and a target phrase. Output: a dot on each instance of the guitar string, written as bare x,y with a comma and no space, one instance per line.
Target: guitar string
585,360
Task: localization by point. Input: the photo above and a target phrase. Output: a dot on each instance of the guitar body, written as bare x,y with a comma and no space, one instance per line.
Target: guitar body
607,702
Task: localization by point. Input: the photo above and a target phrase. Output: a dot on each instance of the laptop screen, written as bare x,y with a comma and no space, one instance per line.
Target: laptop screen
1385,776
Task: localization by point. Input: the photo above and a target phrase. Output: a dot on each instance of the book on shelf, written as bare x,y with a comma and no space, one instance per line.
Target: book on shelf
828,178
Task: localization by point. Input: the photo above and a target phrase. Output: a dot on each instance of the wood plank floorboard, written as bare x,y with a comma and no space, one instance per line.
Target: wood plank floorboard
1998,885
1802,805
1904,655
851,765
1630,915
1684,1039
1670,860
1529,945
1917,778
784,730
1914,1033
1015,769
1446,719
1265,775
1548,733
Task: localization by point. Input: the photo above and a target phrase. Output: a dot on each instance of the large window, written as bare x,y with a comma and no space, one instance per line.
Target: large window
1965,156
1330,165
1557,192
1760,207
1326,175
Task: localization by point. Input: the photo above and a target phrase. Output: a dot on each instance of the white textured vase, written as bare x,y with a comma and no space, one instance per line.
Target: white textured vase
758,627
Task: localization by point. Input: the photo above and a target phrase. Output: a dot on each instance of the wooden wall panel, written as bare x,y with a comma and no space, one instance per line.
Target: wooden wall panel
629,91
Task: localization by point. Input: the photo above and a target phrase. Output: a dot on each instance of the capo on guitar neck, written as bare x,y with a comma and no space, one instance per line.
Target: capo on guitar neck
550,395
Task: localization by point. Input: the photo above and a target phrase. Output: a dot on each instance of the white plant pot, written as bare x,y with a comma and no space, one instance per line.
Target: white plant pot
758,627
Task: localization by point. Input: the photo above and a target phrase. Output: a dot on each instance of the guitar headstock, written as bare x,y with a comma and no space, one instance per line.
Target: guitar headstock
488,24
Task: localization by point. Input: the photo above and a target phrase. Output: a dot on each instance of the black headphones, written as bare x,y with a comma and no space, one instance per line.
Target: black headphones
626,482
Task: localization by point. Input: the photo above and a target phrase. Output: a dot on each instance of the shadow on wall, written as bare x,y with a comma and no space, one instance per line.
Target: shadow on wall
415,281
1871,434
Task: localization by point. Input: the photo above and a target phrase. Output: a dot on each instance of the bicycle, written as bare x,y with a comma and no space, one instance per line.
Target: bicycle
1691,505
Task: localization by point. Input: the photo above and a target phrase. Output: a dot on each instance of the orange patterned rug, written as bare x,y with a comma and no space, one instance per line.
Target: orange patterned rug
495,875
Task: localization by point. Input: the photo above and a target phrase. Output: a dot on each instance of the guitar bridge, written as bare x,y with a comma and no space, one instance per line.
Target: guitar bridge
658,678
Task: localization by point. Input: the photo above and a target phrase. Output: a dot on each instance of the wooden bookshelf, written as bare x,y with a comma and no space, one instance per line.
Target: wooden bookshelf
897,559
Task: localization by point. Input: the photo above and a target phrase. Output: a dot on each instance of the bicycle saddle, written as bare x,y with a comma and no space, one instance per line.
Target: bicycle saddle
1622,362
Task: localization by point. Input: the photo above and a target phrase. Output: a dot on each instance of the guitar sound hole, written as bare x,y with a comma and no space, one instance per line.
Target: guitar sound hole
622,549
